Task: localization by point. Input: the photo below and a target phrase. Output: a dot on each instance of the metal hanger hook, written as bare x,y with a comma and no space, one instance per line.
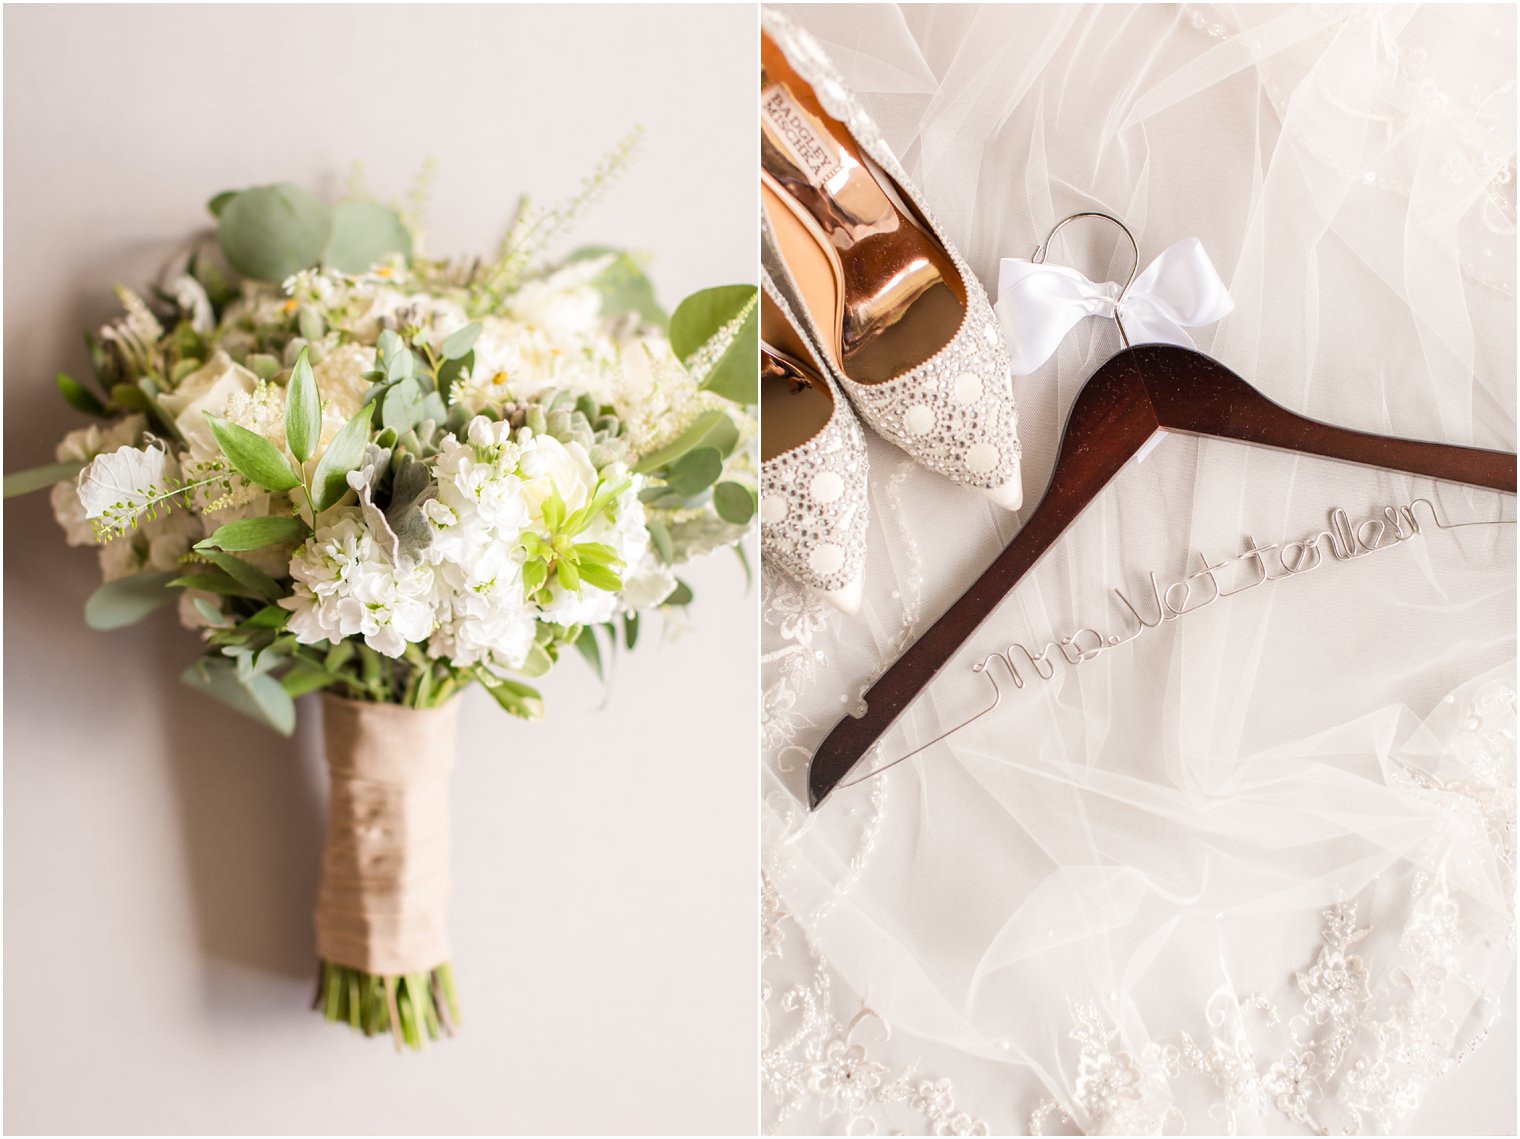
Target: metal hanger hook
1043,248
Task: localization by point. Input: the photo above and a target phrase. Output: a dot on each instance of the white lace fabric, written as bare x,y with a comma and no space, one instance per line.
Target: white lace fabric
1253,870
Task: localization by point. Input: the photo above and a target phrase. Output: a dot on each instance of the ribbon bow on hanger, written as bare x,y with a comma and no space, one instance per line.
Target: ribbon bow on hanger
1039,303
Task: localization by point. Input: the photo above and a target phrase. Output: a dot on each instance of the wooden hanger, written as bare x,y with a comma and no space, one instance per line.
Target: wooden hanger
1139,393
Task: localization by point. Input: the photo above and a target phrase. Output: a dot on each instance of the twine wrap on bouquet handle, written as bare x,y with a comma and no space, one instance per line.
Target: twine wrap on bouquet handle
382,906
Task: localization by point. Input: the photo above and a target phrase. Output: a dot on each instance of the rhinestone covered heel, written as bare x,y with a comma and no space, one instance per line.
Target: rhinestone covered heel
813,463
893,310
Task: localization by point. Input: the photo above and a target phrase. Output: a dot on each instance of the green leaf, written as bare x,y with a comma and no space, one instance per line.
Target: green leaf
261,697
303,410
259,583
219,203
255,533
694,472
254,457
402,409
270,232
304,678
681,595
35,478
734,502
623,285
78,397
732,311
518,699
630,629
458,345
590,648
269,617
128,600
343,454
600,577
130,397
710,429
364,233
217,581
661,539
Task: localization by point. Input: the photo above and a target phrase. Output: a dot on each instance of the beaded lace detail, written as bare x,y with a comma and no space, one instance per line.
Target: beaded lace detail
813,497
955,412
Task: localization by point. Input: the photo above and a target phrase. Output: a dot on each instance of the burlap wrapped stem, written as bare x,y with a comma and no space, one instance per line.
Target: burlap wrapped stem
382,906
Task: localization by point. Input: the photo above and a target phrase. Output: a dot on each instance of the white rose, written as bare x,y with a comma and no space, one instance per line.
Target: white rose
549,466
340,378
208,388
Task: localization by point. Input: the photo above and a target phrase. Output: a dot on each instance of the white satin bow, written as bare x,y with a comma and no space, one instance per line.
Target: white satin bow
1040,304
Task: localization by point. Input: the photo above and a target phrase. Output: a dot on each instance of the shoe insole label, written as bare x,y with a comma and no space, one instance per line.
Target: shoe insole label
815,154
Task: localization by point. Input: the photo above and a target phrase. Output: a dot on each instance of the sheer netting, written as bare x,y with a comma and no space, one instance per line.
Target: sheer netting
1251,869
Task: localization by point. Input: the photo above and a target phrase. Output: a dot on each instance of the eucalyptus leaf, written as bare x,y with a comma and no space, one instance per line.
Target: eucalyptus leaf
343,454
253,456
127,600
364,233
270,232
719,330
734,502
402,409
261,698
694,472
303,410
460,343
255,533
78,397
623,285
36,478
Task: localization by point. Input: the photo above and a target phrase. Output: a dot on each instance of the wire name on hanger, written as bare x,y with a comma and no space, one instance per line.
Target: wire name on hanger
1342,540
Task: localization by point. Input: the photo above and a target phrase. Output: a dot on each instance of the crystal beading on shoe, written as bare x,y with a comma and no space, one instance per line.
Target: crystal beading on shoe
955,412
813,498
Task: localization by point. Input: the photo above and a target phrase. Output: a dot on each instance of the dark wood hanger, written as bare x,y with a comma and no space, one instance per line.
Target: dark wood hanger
1140,392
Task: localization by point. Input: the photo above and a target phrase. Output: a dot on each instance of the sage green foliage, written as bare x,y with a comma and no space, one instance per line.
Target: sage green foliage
733,309
412,1007
268,233
623,285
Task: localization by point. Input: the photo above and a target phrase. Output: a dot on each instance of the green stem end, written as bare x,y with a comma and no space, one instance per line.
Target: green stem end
413,1007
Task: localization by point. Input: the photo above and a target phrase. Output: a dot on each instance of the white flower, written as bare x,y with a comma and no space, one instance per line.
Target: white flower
81,446
119,485
649,584
191,296
564,305
209,388
340,379
551,467
346,585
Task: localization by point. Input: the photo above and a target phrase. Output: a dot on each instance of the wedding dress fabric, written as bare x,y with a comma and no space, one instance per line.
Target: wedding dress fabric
1253,869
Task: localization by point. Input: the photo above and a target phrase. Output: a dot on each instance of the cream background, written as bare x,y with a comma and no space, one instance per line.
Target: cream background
161,853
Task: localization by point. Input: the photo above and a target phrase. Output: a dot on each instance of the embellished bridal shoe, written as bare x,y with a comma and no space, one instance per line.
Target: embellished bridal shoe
894,312
813,463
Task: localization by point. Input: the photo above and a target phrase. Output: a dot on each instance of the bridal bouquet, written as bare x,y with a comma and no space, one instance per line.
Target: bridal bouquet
364,471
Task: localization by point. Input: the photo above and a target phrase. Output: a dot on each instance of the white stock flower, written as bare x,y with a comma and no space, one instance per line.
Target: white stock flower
346,585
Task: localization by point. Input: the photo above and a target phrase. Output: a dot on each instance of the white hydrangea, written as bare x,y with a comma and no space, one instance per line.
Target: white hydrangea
346,586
